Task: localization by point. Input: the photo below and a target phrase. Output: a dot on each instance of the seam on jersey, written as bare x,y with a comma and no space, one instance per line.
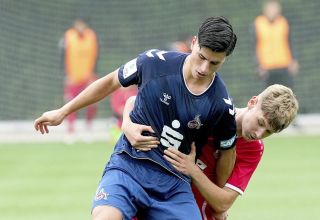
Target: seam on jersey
234,188
203,210
146,158
186,85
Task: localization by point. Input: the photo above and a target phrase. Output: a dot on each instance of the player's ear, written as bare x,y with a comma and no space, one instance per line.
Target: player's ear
252,102
193,42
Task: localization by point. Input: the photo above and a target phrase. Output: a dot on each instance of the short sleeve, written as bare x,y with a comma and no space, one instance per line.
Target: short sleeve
129,74
249,154
226,132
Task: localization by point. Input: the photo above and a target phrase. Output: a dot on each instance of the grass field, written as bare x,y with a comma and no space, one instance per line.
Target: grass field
57,181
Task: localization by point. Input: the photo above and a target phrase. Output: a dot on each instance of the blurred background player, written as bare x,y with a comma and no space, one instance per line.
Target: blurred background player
182,45
117,102
80,54
273,51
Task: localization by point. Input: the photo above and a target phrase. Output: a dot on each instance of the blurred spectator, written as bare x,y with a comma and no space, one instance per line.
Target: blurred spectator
80,53
274,56
182,45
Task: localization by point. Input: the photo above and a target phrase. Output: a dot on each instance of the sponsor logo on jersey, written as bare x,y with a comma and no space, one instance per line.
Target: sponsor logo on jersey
227,143
195,123
101,195
171,137
130,68
165,98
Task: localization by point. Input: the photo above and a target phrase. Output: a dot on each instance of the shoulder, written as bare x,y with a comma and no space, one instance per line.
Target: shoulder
160,60
156,55
247,148
283,20
70,32
259,18
220,85
90,32
221,91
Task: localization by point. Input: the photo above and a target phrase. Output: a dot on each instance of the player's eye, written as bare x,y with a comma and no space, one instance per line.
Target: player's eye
202,57
260,123
214,63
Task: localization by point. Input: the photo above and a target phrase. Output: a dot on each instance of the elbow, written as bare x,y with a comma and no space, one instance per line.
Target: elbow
222,206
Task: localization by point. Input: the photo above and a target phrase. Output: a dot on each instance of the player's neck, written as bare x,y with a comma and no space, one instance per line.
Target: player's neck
195,85
239,117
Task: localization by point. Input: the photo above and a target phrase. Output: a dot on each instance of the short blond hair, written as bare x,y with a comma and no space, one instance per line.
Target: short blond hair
279,105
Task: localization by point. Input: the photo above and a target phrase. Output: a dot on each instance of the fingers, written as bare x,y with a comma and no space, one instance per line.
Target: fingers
173,162
41,125
148,128
145,141
193,151
43,128
143,148
193,148
46,129
174,154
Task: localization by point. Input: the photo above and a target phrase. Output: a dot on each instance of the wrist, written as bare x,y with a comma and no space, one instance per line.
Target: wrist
196,173
64,111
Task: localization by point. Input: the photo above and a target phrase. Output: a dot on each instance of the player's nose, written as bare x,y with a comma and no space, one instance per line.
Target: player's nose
204,68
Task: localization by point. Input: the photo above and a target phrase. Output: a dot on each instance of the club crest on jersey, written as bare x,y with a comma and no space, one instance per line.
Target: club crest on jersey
101,195
165,98
195,123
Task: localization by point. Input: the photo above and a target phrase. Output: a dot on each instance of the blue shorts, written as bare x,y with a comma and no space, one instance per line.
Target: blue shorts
145,186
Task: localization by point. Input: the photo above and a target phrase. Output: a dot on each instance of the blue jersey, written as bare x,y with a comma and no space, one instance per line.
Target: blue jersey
177,116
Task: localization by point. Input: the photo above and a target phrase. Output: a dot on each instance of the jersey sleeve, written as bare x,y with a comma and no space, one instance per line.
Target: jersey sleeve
226,132
139,70
130,73
248,157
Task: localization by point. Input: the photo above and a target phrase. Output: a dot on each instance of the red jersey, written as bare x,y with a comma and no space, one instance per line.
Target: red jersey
118,100
248,157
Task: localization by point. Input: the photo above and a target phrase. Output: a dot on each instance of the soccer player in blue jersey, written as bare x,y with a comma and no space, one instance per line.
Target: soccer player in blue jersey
183,99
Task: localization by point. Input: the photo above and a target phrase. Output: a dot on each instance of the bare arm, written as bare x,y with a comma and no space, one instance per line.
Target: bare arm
92,94
225,164
134,131
220,199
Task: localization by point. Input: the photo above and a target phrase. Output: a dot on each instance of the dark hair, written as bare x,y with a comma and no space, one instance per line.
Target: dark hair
217,34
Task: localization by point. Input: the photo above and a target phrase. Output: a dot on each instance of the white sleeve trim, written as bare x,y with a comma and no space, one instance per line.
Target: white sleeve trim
234,188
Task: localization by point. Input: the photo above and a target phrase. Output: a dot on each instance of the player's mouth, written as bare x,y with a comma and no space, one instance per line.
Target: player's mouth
201,74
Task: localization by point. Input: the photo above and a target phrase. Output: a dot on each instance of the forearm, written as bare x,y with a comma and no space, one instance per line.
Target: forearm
218,198
93,93
128,108
225,165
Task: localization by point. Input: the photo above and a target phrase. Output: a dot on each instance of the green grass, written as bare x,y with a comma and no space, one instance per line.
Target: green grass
286,183
57,181
50,181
